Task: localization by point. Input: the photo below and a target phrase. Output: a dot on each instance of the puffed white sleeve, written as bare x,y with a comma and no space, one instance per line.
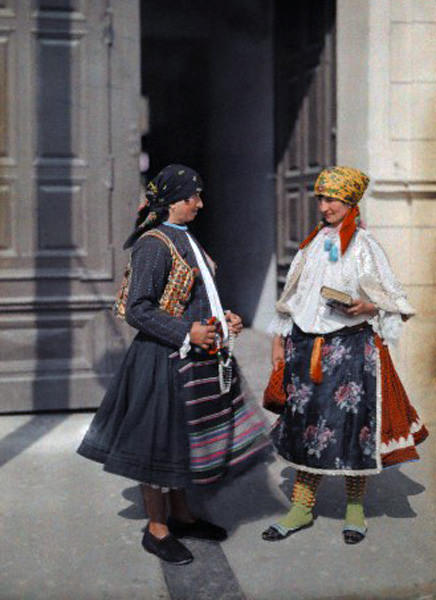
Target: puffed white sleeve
282,322
381,286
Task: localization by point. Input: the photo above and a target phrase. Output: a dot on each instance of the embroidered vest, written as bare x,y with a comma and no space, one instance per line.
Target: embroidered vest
177,290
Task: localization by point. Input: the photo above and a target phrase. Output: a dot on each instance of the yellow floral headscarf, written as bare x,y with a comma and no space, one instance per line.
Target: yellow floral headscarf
343,183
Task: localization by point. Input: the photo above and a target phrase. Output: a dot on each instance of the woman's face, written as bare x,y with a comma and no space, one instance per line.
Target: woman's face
333,211
185,211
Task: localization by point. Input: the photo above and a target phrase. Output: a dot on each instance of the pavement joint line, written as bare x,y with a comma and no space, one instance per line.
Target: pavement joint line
208,577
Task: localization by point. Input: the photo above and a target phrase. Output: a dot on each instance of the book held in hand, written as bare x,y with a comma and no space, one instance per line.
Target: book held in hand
335,298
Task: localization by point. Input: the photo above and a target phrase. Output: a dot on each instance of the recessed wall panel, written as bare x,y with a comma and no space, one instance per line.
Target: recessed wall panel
60,218
5,217
58,92
315,124
58,5
44,343
4,92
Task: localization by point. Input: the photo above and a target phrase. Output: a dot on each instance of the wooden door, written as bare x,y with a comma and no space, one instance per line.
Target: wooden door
304,116
68,183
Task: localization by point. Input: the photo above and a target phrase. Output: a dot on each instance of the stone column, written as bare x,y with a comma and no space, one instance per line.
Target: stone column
393,121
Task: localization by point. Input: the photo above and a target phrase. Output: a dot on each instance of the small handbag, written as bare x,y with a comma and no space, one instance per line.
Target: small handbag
274,396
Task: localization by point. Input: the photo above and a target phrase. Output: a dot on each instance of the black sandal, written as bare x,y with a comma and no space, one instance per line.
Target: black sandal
353,536
273,534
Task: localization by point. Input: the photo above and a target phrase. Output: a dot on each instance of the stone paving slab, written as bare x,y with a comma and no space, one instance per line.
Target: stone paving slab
63,536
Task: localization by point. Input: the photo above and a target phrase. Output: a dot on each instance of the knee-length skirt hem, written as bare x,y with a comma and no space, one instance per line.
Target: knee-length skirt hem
162,475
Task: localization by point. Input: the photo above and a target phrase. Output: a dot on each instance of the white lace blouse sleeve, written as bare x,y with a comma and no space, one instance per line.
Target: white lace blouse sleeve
281,323
381,286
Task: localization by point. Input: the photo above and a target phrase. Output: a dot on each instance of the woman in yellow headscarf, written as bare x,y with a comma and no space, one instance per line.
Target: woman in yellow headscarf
346,411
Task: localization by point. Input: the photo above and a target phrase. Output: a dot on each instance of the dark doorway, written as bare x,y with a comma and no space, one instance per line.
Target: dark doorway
175,67
243,91
175,79
208,78
305,116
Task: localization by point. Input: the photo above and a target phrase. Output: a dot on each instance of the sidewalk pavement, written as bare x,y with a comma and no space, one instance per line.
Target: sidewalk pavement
71,531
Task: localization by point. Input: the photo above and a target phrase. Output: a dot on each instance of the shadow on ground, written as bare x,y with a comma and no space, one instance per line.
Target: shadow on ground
387,494
248,497
242,498
27,434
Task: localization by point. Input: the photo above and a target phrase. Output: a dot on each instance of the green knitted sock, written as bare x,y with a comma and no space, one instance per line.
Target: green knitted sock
297,517
355,517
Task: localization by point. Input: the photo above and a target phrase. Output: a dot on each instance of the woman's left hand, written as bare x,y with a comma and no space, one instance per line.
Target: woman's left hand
360,307
234,322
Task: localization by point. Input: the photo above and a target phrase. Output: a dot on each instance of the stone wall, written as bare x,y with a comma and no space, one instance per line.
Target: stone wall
394,123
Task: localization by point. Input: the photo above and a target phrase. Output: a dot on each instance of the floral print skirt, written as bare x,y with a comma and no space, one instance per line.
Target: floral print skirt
331,427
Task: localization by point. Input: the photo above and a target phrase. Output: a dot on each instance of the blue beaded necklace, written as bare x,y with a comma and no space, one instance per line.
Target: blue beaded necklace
332,249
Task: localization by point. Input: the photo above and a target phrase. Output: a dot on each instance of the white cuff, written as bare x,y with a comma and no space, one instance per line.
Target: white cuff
185,347
281,325
387,325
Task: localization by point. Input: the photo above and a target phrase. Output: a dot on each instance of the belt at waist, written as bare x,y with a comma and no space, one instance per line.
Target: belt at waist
316,374
342,332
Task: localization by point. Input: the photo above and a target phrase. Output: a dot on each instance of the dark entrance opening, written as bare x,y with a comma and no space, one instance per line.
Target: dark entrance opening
219,82
305,116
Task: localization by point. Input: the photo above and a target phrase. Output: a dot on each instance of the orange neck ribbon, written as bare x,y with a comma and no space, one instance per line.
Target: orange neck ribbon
348,227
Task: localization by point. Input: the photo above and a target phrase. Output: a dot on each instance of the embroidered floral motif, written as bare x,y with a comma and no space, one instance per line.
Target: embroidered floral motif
370,363
334,354
316,438
367,438
340,464
290,350
348,396
299,395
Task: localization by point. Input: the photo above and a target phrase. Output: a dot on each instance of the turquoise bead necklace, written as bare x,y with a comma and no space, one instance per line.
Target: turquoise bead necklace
332,249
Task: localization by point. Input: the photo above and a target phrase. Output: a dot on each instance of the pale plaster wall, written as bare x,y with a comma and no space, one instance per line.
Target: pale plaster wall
387,52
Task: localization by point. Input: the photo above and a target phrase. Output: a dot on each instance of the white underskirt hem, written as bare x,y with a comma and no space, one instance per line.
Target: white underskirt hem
316,471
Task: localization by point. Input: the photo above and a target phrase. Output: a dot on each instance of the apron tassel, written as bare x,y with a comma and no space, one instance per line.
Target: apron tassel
316,360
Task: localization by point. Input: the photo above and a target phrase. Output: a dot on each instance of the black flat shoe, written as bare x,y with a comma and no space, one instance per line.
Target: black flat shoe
272,534
199,529
167,548
353,537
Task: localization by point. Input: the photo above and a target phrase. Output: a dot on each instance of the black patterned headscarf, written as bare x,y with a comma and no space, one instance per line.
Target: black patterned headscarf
173,183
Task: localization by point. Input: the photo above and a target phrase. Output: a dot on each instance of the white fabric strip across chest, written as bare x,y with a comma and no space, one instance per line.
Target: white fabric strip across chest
212,292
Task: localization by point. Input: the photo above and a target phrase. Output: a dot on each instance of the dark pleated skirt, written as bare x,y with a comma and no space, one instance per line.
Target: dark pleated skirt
164,421
139,430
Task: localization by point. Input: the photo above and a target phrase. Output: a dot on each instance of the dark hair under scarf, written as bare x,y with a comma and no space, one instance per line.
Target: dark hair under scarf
173,183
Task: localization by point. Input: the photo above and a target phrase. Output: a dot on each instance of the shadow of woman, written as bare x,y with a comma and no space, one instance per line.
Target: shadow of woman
240,498
387,494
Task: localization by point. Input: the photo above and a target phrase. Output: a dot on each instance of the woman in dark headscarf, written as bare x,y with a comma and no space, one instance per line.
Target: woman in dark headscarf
174,413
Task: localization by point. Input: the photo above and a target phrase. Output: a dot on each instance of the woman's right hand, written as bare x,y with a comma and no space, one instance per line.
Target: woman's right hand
202,335
278,352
